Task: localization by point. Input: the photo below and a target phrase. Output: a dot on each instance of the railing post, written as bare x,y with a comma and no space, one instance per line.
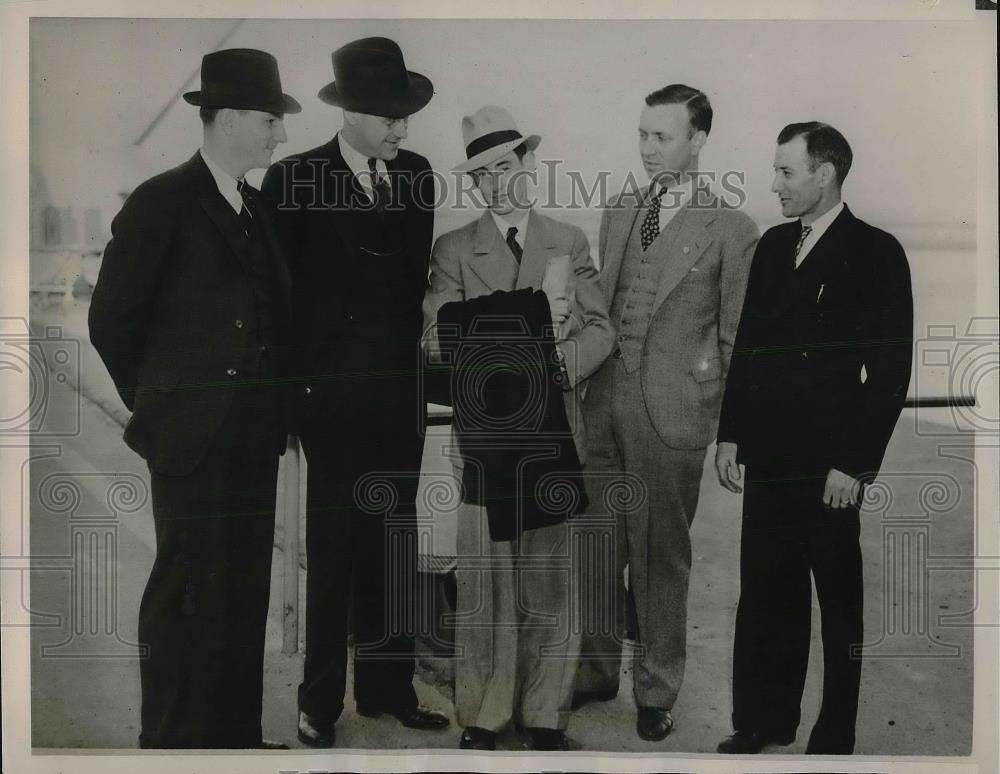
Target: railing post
290,602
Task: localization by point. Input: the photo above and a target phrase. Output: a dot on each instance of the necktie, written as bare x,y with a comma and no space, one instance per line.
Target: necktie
651,225
806,231
513,245
246,213
380,188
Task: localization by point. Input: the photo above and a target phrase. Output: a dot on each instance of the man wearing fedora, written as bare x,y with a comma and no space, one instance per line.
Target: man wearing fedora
190,315
517,636
675,261
357,218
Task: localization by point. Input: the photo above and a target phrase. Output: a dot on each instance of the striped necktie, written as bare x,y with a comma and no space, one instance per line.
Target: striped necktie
246,212
806,231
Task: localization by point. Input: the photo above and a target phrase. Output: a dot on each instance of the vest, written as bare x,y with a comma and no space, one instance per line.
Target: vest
638,281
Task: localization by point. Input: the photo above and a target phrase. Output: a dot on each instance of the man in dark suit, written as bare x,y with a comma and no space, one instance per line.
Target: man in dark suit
189,314
817,382
357,217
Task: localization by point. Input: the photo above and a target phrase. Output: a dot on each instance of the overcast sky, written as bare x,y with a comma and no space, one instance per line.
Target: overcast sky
903,94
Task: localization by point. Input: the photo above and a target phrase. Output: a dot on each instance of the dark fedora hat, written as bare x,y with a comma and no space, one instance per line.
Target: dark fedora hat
244,79
372,78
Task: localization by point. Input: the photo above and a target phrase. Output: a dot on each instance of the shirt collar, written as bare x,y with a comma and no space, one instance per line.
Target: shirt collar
226,183
503,225
676,196
822,223
358,162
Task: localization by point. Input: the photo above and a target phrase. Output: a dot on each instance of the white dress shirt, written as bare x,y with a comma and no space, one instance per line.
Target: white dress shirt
503,225
819,227
358,162
226,183
671,202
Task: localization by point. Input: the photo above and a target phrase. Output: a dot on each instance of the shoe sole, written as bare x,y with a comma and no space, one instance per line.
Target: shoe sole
316,743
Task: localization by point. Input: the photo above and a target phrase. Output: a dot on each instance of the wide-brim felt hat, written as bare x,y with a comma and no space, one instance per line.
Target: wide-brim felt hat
370,77
490,134
242,79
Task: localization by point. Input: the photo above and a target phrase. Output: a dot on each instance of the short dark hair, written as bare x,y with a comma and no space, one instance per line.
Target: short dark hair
521,151
208,114
699,108
823,144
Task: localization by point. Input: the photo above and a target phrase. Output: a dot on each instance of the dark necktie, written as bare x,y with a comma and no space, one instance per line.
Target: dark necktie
513,245
246,211
380,189
651,224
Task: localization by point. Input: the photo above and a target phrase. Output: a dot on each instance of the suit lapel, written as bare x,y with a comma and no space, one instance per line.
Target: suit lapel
218,209
538,247
684,241
491,259
621,223
830,248
344,196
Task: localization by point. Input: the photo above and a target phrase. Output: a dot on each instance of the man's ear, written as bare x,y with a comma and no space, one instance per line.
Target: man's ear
698,140
828,175
224,120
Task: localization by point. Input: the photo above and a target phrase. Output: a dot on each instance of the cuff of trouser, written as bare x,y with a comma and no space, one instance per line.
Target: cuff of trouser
558,721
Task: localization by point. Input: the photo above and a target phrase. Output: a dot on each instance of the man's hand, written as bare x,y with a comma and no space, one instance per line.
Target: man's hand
841,490
559,308
726,467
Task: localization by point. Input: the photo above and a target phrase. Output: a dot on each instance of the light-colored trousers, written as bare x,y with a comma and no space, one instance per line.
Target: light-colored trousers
650,533
515,632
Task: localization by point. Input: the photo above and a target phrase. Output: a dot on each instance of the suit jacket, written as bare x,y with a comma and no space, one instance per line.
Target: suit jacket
796,398
341,317
474,261
689,342
168,310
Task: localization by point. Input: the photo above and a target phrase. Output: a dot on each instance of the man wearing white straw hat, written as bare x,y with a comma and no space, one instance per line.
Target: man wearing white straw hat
517,650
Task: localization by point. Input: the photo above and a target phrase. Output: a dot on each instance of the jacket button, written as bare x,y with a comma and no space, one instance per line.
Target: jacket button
805,354
231,371
308,391
686,250
239,323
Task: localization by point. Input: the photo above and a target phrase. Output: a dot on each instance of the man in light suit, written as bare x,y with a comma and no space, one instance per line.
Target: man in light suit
517,665
674,269
190,315
819,376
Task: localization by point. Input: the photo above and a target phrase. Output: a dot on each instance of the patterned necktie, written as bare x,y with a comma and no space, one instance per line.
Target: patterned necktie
380,189
651,225
513,245
806,231
246,212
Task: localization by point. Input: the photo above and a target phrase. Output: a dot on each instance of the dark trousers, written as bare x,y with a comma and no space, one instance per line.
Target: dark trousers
204,610
363,447
788,533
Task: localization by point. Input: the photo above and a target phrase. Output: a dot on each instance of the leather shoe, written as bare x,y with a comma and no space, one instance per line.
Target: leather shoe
749,743
476,738
654,723
580,698
418,717
548,739
270,744
314,733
